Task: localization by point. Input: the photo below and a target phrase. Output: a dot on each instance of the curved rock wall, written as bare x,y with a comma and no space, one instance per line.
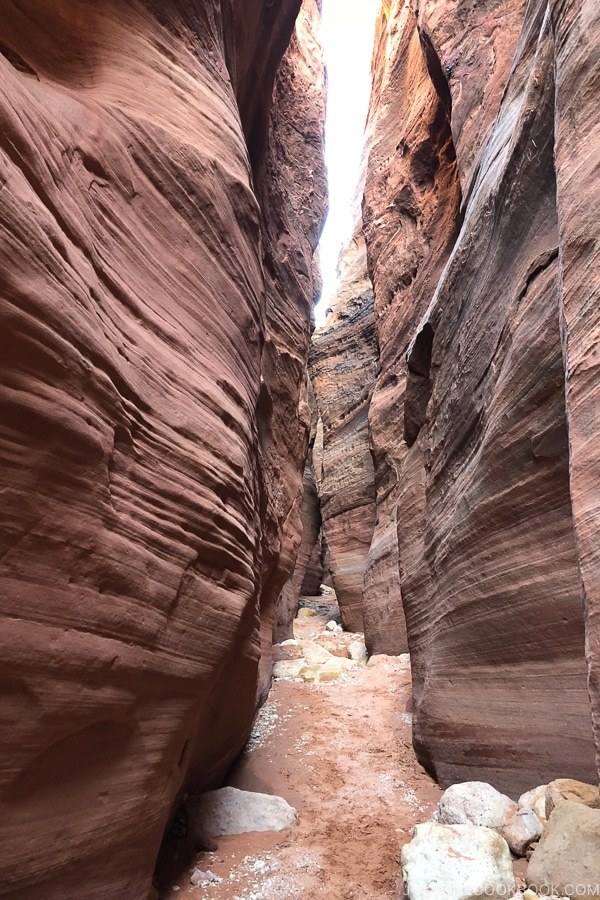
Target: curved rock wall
470,439
410,211
307,575
493,599
577,36
156,290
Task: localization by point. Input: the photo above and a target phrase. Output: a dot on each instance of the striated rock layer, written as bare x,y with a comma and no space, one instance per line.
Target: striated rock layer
410,211
470,439
577,59
156,290
343,366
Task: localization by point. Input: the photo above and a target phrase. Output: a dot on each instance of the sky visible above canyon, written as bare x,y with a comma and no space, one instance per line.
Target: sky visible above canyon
347,35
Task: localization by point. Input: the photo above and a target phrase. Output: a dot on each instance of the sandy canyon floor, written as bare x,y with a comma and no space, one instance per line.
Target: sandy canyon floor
341,753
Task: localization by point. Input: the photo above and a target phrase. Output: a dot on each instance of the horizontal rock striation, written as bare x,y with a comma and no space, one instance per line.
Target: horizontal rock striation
577,35
156,290
410,212
470,437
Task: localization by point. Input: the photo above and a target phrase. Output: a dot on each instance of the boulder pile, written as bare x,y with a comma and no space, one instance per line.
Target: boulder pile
322,657
469,850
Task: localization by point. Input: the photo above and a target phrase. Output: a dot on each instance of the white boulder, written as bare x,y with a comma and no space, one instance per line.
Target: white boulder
457,862
475,803
358,651
288,668
231,811
315,654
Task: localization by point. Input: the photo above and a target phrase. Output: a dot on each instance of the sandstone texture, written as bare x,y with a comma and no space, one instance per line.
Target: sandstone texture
567,859
410,211
575,791
162,195
343,366
577,35
522,830
474,262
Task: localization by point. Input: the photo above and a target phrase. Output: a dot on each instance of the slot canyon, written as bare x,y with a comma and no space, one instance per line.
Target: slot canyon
350,566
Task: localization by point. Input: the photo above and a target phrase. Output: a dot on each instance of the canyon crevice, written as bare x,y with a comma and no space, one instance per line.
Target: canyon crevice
180,461
477,234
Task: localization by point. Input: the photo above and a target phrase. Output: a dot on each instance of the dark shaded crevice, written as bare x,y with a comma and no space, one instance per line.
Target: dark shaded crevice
436,72
418,383
17,61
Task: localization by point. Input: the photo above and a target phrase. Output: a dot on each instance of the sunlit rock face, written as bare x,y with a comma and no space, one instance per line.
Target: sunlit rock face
343,367
468,425
157,281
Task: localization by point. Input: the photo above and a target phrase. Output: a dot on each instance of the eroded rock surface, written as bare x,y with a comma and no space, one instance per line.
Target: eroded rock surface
461,220
410,212
567,860
156,291
306,577
343,366
577,35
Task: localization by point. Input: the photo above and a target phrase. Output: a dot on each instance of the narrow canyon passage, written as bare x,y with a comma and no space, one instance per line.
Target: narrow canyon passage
190,471
341,753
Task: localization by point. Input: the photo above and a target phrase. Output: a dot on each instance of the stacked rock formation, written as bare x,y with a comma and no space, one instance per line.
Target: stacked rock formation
162,196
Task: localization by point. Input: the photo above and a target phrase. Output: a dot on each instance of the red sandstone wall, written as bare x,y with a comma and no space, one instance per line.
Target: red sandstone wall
148,306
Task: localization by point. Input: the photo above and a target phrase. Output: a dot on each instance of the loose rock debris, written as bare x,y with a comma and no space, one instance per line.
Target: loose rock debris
340,752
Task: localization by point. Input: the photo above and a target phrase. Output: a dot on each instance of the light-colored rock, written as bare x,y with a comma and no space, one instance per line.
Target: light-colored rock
568,789
458,862
310,674
477,803
281,653
306,613
535,800
314,654
522,830
334,627
231,811
358,652
291,642
328,671
567,859
335,667
198,877
288,668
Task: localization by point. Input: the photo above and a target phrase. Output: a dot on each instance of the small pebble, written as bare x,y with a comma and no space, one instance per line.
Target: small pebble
199,877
